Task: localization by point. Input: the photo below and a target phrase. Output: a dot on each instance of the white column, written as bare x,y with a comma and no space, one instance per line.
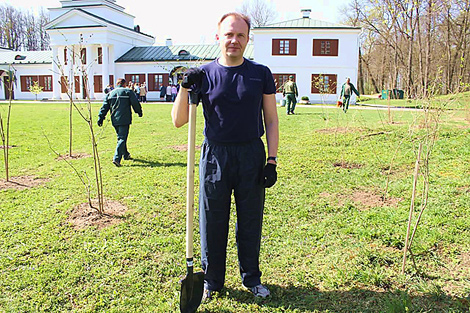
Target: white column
55,73
89,71
70,70
105,66
111,64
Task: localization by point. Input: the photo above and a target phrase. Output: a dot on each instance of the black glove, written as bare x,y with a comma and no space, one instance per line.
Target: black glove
269,175
100,122
141,114
192,76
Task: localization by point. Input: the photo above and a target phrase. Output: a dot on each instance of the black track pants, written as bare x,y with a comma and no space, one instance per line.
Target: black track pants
223,169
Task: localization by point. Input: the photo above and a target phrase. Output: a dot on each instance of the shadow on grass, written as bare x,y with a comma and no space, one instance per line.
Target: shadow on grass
302,299
146,163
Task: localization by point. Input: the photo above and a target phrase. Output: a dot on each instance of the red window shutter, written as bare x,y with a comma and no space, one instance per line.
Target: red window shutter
293,47
100,55
77,84
97,83
65,56
151,83
63,84
127,77
142,78
23,83
334,47
276,47
111,80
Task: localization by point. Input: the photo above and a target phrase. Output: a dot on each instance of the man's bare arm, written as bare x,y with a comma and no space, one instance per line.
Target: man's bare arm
180,110
271,122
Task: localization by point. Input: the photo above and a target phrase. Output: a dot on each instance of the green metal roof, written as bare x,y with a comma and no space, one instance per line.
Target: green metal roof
306,23
174,53
30,57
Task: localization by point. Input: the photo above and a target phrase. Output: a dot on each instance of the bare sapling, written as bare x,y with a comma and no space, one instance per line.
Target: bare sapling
9,80
86,113
428,127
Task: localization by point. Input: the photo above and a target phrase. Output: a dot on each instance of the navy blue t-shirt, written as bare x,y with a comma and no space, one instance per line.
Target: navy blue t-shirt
232,99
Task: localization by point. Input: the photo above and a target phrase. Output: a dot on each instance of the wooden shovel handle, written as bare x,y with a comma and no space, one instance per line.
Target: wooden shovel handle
190,181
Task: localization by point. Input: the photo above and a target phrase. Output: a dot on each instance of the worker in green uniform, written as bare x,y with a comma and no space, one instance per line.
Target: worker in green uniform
346,92
291,93
119,102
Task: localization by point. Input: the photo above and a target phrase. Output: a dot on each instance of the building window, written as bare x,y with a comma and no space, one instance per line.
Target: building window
100,55
65,56
27,81
83,55
135,78
45,81
325,47
324,83
284,47
157,80
280,80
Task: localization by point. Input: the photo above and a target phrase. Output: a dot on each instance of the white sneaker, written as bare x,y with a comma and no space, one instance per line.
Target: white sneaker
260,291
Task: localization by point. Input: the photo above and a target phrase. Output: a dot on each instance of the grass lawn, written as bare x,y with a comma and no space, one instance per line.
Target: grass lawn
330,242
454,101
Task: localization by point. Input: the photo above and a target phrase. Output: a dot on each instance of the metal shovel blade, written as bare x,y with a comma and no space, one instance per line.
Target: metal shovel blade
192,288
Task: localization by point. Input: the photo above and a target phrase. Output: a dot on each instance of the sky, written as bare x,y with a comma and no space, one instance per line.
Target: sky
195,22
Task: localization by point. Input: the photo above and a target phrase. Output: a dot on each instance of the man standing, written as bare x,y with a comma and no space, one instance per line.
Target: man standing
291,93
143,92
120,101
346,91
237,96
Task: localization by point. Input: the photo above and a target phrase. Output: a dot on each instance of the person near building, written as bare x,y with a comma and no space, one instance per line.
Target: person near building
137,90
174,92
290,92
239,107
162,92
119,102
168,93
108,89
143,92
346,92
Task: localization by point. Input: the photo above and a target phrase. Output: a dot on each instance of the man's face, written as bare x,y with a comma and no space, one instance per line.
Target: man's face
348,80
233,37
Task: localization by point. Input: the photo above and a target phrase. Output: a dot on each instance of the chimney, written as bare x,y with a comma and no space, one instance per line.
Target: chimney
137,28
169,42
305,13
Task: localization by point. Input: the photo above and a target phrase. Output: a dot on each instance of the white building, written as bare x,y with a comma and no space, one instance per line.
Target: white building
95,42
318,54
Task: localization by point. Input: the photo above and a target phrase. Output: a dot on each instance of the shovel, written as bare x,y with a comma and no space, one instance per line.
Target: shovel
192,286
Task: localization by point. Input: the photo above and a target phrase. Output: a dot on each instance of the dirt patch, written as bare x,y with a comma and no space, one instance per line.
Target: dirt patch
368,199
82,216
363,199
339,130
348,165
73,157
22,182
183,147
9,147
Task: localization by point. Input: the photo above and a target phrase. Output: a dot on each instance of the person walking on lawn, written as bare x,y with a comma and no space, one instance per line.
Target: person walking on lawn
346,91
291,93
119,102
238,100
